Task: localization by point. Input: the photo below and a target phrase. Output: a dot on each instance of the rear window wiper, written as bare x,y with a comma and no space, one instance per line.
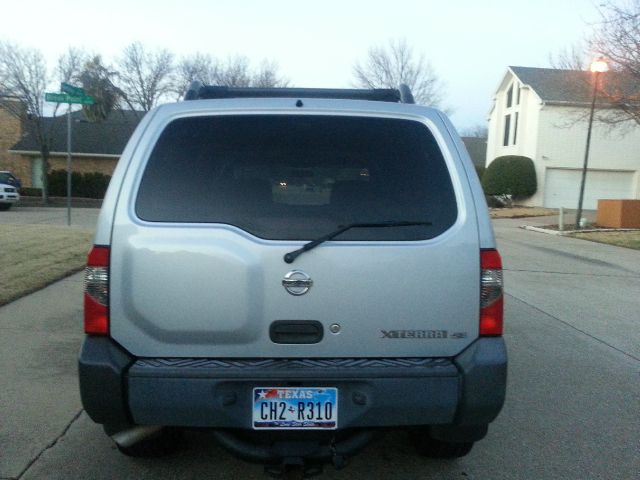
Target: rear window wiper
291,256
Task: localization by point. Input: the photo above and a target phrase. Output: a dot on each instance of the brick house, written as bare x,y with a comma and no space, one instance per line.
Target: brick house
96,146
10,133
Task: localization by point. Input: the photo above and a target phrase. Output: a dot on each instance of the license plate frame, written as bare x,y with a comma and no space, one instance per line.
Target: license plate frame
278,408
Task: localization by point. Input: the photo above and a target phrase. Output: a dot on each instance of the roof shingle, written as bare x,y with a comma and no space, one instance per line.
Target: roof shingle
108,137
572,86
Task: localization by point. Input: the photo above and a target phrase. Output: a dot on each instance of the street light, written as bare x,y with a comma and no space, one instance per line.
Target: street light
598,66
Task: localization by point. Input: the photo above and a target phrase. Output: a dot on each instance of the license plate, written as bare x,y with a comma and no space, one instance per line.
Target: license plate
295,408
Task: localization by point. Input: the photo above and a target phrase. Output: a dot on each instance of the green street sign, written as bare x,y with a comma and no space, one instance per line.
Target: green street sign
71,90
55,97
65,98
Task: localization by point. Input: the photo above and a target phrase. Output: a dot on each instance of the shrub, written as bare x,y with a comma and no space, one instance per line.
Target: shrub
511,177
58,183
84,185
31,192
480,171
95,185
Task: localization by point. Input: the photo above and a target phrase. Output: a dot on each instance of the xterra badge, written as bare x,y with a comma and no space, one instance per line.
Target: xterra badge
414,334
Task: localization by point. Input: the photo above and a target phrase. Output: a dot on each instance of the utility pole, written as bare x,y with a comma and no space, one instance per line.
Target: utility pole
597,67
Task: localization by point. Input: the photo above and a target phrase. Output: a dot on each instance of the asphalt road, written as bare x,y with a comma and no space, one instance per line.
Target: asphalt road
572,409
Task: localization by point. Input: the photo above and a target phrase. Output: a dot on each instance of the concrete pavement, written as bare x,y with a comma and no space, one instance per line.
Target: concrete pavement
590,286
571,412
40,338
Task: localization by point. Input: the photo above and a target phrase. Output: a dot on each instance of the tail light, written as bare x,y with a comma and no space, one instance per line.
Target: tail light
96,292
491,293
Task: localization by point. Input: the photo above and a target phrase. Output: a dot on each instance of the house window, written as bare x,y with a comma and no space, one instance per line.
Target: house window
518,95
507,128
515,128
510,96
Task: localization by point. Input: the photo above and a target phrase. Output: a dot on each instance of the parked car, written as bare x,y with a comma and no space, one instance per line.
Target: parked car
8,196
10,179
319,266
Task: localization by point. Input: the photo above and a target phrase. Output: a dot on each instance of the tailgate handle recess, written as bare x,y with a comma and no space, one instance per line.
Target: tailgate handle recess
296,331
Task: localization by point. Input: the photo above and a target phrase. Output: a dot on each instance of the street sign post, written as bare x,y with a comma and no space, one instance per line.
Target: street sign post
71,95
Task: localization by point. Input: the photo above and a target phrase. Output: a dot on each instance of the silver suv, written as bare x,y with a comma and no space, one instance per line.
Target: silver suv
296,270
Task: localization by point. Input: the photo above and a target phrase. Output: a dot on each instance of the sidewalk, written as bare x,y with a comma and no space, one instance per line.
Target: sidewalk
40,337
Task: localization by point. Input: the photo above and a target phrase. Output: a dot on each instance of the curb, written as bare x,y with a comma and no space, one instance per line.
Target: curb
543,230
58,202
549,231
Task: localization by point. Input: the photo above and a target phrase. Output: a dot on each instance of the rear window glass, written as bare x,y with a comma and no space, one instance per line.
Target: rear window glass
297,177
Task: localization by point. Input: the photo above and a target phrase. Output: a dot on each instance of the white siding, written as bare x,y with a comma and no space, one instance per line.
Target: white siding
562,136
528,112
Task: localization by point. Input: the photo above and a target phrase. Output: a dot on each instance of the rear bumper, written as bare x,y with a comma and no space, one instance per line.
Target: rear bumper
467,390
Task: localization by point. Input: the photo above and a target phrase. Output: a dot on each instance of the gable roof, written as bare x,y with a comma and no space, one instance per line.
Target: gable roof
108,137
574,87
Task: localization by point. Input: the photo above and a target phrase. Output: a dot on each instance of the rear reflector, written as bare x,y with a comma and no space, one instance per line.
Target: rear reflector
491,294
96,292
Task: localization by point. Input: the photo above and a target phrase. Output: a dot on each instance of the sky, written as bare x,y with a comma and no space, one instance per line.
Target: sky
469,43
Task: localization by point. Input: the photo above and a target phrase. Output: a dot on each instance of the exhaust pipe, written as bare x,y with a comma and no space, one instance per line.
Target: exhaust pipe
131,436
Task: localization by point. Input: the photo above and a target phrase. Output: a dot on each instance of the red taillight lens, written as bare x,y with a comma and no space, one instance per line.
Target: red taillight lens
96,292
491,294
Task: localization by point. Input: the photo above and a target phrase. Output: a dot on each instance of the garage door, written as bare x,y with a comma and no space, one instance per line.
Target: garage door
562,187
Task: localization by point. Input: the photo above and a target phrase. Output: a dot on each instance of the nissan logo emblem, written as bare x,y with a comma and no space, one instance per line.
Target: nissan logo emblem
297,283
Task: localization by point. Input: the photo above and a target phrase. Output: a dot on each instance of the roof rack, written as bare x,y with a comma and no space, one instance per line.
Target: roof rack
199,91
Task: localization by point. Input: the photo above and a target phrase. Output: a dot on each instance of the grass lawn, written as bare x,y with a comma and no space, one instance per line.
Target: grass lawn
33,256
621,239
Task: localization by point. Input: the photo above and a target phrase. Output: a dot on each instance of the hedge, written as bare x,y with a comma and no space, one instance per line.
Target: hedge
84,185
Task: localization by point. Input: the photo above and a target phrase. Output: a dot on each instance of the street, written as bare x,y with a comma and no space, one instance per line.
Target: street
573,398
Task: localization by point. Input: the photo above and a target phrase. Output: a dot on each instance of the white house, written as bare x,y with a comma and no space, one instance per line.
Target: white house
542,114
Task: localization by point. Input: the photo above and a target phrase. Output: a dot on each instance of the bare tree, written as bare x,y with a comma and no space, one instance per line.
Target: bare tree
574,57
235,72
389,66
71,63
144,76
201,67
617,38
267,76
23,79
480,130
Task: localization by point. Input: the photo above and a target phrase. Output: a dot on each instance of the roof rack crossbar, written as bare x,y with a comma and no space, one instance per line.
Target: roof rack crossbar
199,91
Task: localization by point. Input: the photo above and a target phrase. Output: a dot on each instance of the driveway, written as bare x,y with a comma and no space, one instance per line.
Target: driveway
572,403
590,287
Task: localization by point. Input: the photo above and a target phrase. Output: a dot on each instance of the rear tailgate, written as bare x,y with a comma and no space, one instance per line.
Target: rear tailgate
197,253
215,292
